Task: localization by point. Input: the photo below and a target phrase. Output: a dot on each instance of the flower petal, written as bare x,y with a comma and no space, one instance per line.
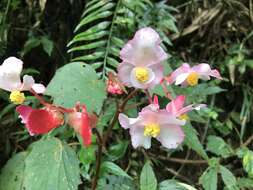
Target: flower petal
190,108
124,73
175,105
148,115
81,123
204,70
24,112
85,130
184,68
158,73
39,88
28,82
10,72
143,49
137,137
170,136
181,78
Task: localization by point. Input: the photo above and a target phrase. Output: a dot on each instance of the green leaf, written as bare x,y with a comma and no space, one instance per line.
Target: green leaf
245,183
51,165
47,45
209,178
192,140
169,185
110,182
228,178
218,146
30,44
86,154
148,179
248,162
109,167
12,174
117,151
77,82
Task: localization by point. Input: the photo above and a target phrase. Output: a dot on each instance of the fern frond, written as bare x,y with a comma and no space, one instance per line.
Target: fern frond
96,40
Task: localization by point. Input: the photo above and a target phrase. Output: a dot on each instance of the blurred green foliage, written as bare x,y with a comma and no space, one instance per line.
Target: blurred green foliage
50,34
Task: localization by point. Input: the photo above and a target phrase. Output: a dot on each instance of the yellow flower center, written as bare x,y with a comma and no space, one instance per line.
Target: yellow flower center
152,130
192,79
141,74
184,117
17,97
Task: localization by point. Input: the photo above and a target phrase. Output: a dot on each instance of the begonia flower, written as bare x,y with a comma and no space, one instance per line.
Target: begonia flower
176,107
187,75
40,121
82,122
10,72
141,60
156,123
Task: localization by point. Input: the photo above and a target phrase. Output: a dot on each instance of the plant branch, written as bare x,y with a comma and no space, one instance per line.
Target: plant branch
248,141
99,157
120,108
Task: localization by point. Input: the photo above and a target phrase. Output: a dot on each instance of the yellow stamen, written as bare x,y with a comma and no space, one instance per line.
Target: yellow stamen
141,74
184,117
17,97
192,79
152,130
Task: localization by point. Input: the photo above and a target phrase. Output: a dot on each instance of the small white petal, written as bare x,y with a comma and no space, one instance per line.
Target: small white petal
39,88
181,78
28,82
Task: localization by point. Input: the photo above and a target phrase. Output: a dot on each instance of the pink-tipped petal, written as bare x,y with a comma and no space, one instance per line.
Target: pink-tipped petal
171,136
156,101
149,115
124,73
184,68
175,105
204,70
143,49
138,139
215,73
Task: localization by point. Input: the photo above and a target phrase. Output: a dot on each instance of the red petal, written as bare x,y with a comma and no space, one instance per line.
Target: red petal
80,121
85,130
24,112
41,122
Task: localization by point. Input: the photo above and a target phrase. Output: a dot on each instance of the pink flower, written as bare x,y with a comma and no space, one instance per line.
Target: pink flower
176,107
40,121
141,57
153,122
186,75
10,72
82,123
